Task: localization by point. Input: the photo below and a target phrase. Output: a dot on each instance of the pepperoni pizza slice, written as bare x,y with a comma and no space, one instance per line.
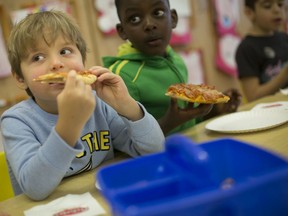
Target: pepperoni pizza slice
197,93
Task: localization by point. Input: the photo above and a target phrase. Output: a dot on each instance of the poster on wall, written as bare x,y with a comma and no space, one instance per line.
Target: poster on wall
18,15
183,7
181,35
107,16
227,17
225,57
194,63
5,68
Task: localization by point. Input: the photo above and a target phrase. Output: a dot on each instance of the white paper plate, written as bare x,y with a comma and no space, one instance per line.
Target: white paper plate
277,105
248,121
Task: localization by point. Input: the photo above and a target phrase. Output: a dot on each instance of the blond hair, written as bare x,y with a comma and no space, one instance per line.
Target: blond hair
46,25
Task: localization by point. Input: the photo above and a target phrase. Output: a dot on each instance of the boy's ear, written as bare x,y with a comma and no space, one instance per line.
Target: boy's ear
174,18
249,12
20,82
121,32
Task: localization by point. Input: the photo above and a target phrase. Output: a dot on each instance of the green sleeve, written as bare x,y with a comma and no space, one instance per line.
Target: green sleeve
132,88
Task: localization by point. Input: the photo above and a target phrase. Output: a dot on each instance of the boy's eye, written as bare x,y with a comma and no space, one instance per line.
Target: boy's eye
280,3
135,19
159,13
267,5
65,51
37,58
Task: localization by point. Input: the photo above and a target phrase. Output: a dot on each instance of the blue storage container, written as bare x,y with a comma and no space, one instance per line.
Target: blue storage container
222,177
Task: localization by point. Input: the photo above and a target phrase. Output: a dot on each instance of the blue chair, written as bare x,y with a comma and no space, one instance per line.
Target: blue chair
6,190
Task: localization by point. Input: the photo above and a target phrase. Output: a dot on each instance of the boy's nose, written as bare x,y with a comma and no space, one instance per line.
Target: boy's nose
149,24
277,8
56,64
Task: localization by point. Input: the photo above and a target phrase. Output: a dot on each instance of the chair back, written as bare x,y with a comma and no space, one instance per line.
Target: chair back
6,190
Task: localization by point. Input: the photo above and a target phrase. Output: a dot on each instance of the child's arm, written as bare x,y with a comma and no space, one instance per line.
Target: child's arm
176,116
75,106
254,90
136,131
112,89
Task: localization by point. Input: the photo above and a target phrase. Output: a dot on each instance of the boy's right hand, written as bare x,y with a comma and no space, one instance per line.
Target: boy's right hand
176,116
75,105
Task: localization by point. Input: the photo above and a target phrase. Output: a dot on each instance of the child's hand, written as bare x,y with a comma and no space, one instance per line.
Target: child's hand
109,87
232,105
112,89
75,105
176,116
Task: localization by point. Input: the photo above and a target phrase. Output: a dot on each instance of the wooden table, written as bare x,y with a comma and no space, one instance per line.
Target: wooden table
79,184
274,139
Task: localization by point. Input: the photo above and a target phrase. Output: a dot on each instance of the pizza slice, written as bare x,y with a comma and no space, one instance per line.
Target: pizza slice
197,93
60,77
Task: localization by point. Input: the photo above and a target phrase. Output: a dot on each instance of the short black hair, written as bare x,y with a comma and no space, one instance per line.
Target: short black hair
250,3
118,5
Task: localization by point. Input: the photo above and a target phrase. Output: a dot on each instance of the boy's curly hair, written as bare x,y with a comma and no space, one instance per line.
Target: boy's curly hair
118,5
46,25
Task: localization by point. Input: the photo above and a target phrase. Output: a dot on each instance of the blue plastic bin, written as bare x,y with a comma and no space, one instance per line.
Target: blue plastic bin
223,177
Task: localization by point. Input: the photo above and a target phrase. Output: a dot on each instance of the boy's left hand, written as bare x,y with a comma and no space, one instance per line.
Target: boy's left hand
109,87
233,104
112,89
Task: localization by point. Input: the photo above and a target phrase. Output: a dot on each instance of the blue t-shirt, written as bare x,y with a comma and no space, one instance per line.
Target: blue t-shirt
38,158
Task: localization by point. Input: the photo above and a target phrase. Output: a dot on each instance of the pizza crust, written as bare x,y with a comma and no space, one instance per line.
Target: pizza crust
197,93
60,77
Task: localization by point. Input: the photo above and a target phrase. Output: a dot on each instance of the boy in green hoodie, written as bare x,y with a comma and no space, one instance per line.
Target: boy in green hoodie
148,65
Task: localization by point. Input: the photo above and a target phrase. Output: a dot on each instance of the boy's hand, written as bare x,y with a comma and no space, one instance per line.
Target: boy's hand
112,89
233,104
176,116
75,105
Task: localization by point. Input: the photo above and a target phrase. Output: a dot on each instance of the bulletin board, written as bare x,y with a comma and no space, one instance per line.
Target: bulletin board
182,34
226,19
17,15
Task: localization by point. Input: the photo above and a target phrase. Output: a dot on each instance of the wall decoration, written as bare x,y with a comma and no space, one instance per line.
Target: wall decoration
227,16
107,16
18,15
225,58
182,7
194,63
181,35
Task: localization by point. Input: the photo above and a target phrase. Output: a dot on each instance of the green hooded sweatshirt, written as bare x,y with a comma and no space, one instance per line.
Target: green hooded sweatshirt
148,77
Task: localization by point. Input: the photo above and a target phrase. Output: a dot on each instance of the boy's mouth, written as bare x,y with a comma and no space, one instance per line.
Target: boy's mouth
57,85
278,20
154,42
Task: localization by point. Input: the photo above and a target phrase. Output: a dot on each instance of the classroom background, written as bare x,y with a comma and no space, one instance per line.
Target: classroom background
207,35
